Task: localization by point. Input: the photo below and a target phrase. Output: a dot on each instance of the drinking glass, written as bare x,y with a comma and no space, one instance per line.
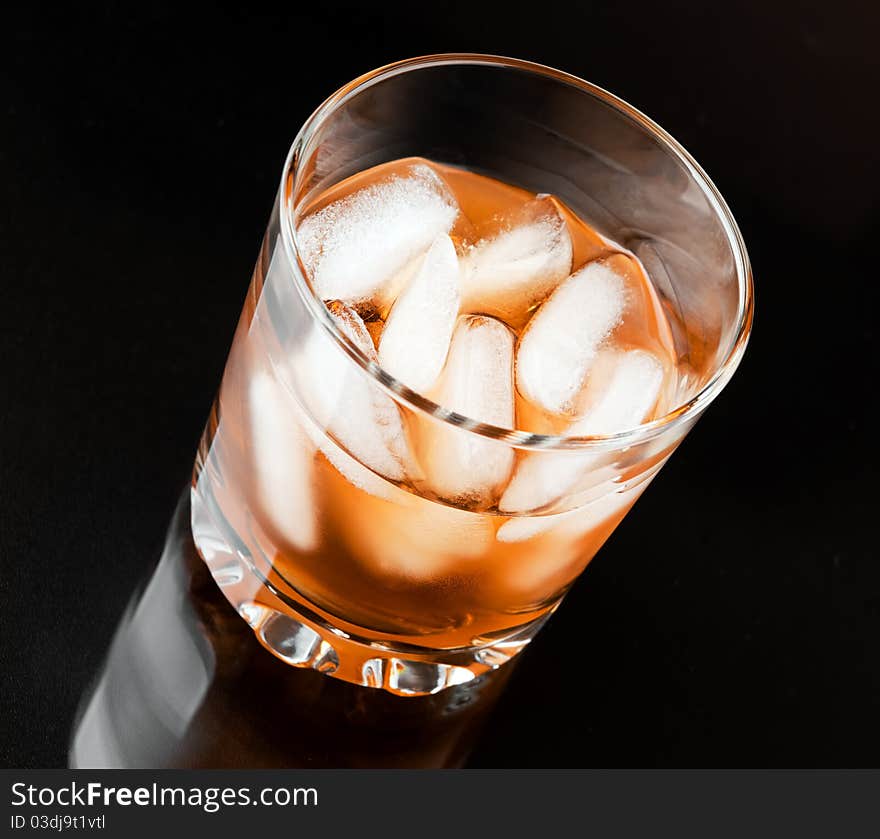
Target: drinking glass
366,576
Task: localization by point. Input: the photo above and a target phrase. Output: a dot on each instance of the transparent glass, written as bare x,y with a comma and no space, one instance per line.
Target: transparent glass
365,576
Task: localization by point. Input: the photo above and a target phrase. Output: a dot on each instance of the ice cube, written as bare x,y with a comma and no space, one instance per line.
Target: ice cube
560,343
414,538
573,538
416,336
352,470
575,523
544,477
569,540
621,392
623,389
283,463
347,402
507,274
522,528
477,383
358,249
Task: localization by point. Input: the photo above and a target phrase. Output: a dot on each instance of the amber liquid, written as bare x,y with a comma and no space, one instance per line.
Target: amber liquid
409,569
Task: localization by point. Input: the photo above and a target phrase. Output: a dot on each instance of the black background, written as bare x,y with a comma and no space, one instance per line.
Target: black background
733,619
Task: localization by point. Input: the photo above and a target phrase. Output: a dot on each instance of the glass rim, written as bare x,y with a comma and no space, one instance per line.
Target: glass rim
300,150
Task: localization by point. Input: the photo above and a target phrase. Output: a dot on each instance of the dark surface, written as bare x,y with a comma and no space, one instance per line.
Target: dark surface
734,618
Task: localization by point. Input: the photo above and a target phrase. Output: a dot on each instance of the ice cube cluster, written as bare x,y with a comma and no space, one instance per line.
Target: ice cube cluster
481,327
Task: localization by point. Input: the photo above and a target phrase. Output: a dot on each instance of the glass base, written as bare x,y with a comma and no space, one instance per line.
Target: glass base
186,685
301,636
